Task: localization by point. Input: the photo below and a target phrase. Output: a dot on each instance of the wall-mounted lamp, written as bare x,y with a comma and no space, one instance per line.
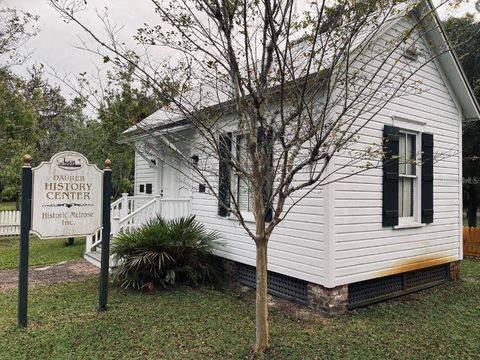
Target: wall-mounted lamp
411,53
195,160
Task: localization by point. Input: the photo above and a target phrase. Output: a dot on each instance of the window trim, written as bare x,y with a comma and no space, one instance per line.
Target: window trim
423,198
415,220
248,216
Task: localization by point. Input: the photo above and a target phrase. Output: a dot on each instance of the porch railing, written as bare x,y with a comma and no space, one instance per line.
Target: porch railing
130,212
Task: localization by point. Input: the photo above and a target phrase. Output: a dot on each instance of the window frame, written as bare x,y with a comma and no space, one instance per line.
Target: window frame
248,216
417,182
149,189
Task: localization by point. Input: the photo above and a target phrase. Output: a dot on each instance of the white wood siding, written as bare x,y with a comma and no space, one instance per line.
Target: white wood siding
335,236
296,247
363,249
144,174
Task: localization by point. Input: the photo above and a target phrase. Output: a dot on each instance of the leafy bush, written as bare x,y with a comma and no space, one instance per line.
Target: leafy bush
164,253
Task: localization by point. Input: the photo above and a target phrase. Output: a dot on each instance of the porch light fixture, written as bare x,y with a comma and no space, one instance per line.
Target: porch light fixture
411,53
195,160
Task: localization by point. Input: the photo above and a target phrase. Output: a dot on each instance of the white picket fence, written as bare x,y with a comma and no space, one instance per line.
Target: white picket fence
9,223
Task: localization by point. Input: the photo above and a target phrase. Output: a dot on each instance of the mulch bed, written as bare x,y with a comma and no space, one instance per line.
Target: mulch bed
47,274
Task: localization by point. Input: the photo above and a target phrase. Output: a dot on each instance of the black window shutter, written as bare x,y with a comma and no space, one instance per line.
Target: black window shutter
261,137
390,175
427,178
225,153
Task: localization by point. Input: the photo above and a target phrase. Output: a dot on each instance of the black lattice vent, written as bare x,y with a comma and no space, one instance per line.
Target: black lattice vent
279,285
426,277
370,291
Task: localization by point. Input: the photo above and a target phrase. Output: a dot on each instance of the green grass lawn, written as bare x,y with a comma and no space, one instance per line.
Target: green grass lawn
439,323
41,251
10,205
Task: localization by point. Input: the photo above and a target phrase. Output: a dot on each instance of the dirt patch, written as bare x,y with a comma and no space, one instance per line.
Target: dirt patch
287,308
46,274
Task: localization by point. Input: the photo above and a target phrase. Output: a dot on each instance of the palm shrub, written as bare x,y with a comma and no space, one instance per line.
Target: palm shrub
164,253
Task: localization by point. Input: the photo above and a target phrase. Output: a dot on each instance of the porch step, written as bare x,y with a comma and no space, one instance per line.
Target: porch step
93,257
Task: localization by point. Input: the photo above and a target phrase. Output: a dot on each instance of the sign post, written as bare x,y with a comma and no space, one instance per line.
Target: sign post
104,267
26,210
62,198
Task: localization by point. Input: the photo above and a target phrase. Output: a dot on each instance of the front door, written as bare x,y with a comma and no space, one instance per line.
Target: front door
173,183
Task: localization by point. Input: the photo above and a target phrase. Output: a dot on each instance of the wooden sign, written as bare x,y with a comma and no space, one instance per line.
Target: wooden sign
64,197
67,197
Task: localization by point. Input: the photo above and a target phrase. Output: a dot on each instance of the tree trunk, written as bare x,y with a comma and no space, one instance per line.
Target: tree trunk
262,335
472,206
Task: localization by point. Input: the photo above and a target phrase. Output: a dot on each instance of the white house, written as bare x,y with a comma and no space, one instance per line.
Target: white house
374,235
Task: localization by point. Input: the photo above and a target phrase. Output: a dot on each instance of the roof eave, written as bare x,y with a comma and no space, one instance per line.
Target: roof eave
450,63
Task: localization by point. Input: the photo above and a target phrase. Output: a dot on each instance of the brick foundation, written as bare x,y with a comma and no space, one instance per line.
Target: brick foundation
331,301
335,300
455,270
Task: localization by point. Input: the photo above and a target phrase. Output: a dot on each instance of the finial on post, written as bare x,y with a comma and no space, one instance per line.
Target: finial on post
27,160
107,164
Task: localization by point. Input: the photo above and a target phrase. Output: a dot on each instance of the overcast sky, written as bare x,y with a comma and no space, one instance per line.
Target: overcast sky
55,45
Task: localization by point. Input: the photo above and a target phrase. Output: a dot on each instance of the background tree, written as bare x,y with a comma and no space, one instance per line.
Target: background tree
464,34
287,90
17,133
123,103
36,119
59,121
17,118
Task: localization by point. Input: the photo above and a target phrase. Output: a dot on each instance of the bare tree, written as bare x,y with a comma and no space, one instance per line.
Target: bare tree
16,28
270,92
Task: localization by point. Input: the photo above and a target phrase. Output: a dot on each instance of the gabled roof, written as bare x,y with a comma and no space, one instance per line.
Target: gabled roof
448,61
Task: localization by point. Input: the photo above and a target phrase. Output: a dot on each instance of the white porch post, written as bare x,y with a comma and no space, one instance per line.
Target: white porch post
88,243
158,204
115,224
124,208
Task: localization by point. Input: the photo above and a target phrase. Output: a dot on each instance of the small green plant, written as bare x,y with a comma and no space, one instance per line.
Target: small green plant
164,253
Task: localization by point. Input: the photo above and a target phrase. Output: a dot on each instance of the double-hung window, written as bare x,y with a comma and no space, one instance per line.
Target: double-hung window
244,194
408,180
236,184
408,170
